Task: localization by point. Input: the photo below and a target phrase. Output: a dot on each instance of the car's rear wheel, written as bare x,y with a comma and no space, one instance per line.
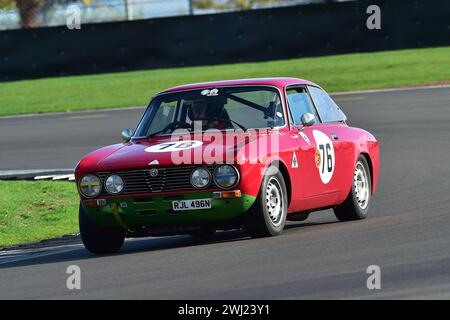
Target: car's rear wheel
97,239
267,216
357,204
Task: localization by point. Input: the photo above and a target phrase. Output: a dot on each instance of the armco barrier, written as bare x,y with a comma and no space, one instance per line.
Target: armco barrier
256,35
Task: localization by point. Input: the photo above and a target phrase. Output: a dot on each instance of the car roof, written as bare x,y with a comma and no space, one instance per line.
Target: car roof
276,82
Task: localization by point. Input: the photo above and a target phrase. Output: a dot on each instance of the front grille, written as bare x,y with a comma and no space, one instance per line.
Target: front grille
168,179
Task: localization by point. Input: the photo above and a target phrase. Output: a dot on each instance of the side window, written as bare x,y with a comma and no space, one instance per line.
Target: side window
329,111
299,103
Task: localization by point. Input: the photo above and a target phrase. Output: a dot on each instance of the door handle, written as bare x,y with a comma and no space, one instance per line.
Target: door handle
335,136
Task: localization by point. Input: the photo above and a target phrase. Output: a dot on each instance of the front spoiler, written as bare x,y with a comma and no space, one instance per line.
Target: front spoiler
130,212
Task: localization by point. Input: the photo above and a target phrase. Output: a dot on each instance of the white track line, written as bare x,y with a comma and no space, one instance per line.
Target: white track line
64,177
56,177
47,174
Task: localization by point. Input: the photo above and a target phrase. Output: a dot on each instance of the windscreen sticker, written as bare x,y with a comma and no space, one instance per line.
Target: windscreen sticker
324,156
174,146
210,93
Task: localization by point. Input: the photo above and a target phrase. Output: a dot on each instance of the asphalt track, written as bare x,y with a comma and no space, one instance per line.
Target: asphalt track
407,233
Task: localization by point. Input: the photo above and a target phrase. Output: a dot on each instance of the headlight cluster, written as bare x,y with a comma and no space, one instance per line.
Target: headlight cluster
200,178
114,184
91,185
225,176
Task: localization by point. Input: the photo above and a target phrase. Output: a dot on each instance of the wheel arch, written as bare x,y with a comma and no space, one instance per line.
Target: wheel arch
370,164
285,173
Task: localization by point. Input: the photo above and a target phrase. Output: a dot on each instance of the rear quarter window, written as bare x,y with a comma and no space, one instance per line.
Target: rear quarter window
328,110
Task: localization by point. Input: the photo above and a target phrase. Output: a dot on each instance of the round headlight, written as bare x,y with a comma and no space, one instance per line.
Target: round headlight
200,178
226,176
90,186
114,184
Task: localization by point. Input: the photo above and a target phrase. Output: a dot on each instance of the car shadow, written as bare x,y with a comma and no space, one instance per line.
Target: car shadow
77,252
140,245
304,224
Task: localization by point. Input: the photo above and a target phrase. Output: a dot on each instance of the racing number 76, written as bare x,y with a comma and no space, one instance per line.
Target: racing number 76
325,154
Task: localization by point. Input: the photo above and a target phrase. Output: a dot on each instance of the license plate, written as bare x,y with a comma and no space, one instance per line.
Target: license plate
198,204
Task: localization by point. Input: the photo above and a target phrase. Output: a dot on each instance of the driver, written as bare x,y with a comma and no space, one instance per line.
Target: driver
210,115
216,111
198,109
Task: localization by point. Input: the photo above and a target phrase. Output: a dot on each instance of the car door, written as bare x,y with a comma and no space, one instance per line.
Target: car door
308,188
332,148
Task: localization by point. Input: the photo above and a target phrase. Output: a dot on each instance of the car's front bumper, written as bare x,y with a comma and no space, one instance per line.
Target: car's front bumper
134,212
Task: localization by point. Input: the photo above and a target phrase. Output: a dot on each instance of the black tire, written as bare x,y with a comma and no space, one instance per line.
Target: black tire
356,206
263,218
97,239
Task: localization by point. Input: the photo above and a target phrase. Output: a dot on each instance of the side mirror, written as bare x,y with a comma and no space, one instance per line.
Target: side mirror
126,135
308,119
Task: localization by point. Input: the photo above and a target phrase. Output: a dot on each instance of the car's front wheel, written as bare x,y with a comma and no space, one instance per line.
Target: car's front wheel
97,239
357,204
267,216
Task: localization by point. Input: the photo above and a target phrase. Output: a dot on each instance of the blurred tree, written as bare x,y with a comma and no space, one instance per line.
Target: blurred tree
28,10
230,4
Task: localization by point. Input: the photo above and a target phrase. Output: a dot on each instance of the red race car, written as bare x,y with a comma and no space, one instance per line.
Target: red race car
227,155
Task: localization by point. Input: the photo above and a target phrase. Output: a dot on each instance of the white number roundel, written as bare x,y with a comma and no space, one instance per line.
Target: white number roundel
173,146
324,157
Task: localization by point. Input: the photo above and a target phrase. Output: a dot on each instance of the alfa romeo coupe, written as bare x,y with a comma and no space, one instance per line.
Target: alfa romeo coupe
247,154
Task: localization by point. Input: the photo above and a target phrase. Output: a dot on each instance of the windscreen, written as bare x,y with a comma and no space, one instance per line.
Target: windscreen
213,108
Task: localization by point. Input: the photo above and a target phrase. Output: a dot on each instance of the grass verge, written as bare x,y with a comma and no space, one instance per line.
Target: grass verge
335,73
32,211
